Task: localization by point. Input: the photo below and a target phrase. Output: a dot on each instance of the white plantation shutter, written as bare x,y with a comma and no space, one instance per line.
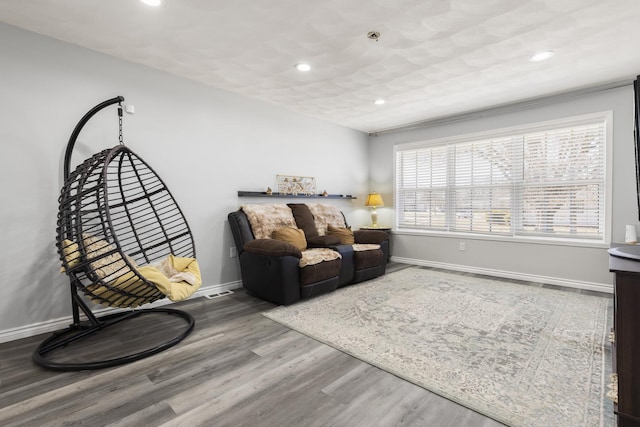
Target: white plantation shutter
563,182
538,181
422,185
482,185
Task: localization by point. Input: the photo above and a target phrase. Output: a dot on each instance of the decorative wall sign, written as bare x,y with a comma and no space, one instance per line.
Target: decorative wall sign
296,185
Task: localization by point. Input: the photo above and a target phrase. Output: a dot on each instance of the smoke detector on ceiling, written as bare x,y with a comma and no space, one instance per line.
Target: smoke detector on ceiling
373,35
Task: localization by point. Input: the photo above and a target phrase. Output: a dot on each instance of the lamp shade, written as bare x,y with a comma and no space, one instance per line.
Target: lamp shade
374,199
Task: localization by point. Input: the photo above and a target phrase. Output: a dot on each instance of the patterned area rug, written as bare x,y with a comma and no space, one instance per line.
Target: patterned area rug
521,354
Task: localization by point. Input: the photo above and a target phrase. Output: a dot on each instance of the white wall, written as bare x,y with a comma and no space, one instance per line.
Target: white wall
206,144
565,265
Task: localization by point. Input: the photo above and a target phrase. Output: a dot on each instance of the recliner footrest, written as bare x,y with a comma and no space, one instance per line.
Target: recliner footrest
319,272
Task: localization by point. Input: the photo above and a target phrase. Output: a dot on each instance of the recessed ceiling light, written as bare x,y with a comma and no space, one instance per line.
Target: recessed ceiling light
152,2
541,56
303,67
379,101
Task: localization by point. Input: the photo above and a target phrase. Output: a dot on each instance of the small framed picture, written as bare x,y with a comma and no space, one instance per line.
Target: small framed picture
305,185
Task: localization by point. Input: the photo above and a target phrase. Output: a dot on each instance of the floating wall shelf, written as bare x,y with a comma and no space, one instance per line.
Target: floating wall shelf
298,196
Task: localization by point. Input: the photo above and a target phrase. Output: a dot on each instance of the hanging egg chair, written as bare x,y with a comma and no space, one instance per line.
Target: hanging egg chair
123,242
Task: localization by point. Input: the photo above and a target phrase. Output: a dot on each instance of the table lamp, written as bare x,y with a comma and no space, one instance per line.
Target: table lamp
374,200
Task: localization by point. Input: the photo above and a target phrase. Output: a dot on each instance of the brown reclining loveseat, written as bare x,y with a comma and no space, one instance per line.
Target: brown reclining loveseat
289,252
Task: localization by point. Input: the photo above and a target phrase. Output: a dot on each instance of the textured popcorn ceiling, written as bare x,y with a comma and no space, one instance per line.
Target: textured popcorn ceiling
434,58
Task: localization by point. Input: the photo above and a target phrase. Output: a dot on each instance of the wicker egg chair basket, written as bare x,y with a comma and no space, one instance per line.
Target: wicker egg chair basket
115,215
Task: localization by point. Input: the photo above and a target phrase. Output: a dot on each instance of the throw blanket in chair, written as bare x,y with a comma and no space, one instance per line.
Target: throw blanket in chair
176,277
175,287
122,286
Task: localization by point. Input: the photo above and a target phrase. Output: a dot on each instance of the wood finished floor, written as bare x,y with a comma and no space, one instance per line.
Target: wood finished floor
237,368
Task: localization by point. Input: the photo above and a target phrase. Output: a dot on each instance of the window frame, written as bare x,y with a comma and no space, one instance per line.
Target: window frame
527,128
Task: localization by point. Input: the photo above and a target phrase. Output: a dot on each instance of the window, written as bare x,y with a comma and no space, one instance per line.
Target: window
545,180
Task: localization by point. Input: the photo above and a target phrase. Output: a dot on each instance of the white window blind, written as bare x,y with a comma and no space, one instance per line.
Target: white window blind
533,181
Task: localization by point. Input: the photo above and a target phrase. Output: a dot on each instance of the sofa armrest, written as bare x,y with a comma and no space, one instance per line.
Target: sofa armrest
370,236
325,241
272,247
271,278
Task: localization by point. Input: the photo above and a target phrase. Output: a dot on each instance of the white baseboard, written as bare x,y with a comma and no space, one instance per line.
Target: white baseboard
590,286
61,323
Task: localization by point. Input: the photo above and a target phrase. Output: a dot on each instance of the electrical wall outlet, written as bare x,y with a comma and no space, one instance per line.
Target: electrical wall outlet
233,252
463,246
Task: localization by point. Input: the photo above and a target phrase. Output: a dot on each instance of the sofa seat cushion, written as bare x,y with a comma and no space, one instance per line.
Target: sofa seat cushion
368,259
267,218
317,255
321,271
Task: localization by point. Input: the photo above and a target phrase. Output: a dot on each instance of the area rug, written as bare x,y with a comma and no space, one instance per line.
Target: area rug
521,354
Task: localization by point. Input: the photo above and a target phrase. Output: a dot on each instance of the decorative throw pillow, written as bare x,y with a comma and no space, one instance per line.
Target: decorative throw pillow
295,236
71,253
344,233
